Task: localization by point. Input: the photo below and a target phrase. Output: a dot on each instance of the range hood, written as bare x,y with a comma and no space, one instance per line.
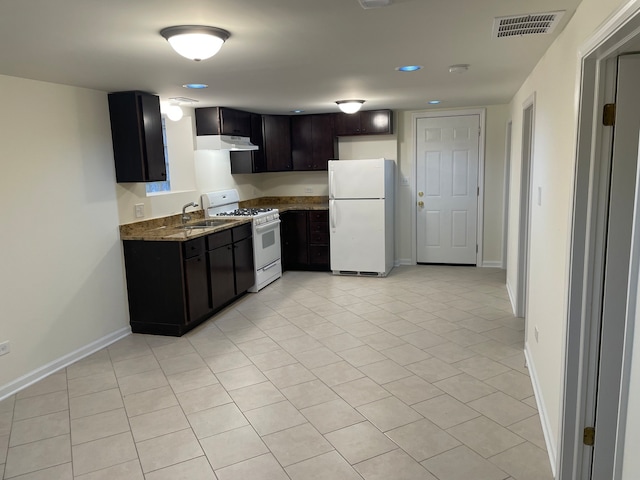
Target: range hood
224,142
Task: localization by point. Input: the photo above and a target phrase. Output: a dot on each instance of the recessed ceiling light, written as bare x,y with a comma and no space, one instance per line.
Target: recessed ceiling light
409,68
297,111
195,86
459,68
434,102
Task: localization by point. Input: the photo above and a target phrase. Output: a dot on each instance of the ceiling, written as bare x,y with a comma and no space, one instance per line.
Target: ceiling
282,54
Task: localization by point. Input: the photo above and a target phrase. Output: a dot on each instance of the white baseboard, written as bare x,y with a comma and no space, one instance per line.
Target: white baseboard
512,298
492,264
552,449
60,363
404,261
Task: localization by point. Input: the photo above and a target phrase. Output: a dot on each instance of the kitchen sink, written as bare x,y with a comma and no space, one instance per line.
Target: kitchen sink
204,224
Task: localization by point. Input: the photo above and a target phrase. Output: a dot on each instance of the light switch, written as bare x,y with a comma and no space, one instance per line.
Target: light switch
539,196
139,209
404,181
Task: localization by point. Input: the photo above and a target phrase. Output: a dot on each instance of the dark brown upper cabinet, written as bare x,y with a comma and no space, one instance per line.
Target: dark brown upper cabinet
251,161
313,142
223,121
369,122
136,133
276,131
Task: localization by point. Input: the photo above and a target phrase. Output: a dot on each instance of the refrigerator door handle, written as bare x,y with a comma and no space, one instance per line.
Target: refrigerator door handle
331,194
332,214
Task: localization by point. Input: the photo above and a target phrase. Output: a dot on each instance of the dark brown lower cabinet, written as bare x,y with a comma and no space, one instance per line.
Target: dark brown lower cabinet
174,286
305,240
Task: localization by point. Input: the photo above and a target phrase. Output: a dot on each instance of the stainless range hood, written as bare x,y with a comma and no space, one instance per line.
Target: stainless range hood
224,142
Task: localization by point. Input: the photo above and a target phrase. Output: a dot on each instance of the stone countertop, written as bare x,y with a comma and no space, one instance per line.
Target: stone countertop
284,204
169,228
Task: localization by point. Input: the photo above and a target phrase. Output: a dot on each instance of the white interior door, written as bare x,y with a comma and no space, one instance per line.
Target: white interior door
447,188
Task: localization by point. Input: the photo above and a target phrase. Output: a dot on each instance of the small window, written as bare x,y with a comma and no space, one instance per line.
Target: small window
164,186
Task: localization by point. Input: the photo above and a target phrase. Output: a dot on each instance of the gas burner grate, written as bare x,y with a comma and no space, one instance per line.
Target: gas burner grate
244,212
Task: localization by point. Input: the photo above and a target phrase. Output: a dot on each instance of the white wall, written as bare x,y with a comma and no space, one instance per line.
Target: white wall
62,274
554,82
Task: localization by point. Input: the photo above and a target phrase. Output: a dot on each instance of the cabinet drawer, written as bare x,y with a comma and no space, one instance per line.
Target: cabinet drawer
318,255
316,227
319,216
218,239
241,232
193,248
321,238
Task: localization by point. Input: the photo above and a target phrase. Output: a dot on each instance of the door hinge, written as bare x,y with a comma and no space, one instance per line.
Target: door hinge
478,194
476,248
589,436
609,115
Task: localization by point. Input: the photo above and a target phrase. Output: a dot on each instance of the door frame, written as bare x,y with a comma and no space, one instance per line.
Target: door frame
414,190
507,187
596,84
526,190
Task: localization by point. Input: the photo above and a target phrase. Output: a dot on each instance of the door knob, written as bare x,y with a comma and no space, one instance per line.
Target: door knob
421,194
421,204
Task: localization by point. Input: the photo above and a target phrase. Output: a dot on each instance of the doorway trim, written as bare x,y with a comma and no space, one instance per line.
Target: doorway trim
524,214
481,147
507,187
586,250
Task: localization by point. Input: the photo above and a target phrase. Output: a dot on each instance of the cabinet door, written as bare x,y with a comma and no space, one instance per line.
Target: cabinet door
136,133
323,140
235,122
196,287
276,130
346,123
244,269
221,275
294,240
302,142
222,121
376,122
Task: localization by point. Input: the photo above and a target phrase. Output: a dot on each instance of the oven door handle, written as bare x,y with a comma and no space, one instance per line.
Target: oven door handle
268,226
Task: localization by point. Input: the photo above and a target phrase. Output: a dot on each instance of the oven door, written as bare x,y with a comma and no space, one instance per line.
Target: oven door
266,243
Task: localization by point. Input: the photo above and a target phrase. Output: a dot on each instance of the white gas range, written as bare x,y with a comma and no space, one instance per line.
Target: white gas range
266,232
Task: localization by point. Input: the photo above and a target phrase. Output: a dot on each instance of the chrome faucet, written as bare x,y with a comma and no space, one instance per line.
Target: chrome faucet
185,216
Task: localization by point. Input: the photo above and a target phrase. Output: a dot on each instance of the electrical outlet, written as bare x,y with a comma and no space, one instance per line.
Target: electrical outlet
139,210
535,333
308,190
5,348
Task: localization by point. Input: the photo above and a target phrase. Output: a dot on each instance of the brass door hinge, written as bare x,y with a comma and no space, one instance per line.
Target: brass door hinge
589,436
609,115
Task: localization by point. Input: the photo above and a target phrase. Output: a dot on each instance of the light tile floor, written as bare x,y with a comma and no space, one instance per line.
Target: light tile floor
419,376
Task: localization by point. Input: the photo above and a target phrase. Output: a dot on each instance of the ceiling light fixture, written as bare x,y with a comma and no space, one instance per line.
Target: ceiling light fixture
409,68
195,86
174,112
459,68
350,106
196,42
366,4
434,102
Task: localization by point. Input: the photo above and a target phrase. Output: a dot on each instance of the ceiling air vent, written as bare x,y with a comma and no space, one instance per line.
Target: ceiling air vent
531,24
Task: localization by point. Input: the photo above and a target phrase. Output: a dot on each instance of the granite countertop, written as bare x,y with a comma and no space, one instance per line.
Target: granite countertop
284,204
168,228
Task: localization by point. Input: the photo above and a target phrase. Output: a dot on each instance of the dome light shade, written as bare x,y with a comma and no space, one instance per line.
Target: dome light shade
350,106
174,112
195,42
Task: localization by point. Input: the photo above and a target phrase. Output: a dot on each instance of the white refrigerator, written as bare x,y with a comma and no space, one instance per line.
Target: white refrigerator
361,194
